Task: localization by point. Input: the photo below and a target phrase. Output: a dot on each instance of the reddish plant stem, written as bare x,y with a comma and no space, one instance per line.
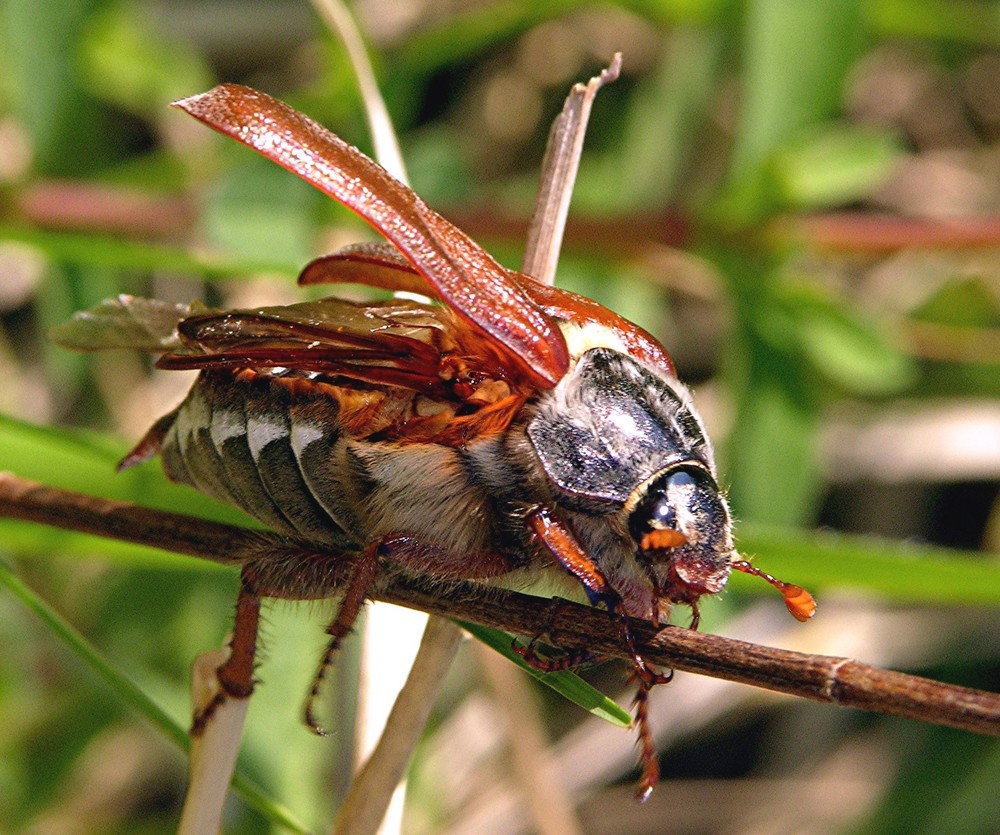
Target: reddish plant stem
841,681
91,207
86,207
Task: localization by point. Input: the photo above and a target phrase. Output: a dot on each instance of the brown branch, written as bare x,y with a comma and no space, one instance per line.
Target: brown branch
841,681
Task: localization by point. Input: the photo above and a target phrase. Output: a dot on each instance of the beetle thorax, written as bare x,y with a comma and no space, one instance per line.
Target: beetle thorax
629,463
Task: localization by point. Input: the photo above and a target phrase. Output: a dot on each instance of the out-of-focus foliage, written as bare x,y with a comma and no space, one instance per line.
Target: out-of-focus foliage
800,199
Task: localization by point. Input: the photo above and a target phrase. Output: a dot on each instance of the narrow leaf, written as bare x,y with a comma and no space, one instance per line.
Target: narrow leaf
897,571
130,694
565,683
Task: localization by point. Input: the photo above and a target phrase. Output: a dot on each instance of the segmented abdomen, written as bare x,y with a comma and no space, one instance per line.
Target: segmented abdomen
247,443
280,452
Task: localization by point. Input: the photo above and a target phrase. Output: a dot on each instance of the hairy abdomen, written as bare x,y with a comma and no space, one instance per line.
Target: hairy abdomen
280,453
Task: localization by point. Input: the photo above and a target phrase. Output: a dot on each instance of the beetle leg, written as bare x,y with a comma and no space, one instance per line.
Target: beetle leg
647,756
407,551
293,574
235,674
428,558
553,533
695,616
359,583
547,664
150,443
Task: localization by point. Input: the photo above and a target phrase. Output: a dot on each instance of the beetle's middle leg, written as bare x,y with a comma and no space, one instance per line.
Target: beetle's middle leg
409,552
445,563
566,660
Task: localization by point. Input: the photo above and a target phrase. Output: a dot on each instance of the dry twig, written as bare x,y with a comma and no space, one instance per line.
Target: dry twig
841,681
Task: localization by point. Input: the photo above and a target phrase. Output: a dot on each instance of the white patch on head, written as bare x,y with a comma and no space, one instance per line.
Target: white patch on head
687,522
261,432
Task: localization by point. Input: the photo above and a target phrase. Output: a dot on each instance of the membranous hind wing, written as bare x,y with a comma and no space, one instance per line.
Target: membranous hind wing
409,370
126,322
393,344
446,385
397,344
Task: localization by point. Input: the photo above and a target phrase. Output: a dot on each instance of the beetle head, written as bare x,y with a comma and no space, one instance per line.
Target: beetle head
680,524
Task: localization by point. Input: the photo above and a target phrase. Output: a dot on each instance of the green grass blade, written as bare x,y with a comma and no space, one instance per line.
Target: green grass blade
79,248
962,21
563,682
86,462
130,694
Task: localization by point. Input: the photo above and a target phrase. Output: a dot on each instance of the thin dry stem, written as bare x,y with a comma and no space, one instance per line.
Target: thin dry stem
841,681
547,800
213,751
339,18
364,807
562,160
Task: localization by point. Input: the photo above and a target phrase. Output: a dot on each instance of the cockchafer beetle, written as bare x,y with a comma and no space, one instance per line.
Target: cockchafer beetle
504,425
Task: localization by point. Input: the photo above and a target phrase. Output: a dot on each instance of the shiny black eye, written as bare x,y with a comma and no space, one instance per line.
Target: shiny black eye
679,489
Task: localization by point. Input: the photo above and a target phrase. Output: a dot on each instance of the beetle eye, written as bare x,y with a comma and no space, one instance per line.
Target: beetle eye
680,490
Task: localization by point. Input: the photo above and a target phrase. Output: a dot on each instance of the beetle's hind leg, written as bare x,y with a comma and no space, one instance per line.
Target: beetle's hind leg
287,570
362,575
235,676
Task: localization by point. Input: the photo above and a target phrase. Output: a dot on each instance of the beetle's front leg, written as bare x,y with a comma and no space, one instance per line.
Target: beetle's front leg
561,543
558,539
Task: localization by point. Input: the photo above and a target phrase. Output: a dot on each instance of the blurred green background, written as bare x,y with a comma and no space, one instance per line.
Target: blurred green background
802,200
